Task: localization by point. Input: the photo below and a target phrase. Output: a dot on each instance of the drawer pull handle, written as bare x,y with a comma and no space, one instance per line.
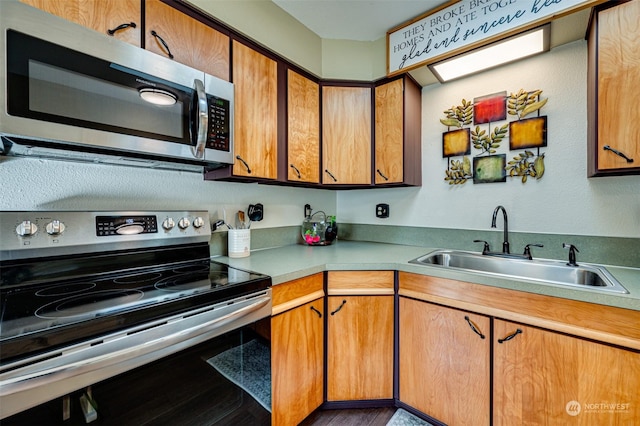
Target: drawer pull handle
245,163
339,307
330,174
316,311
164,43
296,170
615,151
121,27
511,336
383,176
473,327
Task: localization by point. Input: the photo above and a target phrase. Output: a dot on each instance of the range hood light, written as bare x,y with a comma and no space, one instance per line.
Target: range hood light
502,52
158,97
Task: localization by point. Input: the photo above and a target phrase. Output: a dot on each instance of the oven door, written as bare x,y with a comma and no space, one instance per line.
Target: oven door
27,383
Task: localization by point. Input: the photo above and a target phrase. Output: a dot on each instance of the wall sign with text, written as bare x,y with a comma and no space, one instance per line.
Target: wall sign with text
465,23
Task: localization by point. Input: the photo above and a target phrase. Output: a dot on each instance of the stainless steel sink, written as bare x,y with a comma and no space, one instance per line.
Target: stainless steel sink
587,276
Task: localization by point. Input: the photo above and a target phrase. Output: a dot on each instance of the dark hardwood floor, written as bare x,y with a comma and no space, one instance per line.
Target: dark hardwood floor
359,417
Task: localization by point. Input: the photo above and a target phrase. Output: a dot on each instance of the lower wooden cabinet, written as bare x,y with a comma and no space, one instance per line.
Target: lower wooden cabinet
360,335
297,338
359,348
445,362
543,377
297,349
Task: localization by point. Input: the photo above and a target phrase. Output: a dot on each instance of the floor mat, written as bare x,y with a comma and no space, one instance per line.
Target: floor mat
249,367
404,418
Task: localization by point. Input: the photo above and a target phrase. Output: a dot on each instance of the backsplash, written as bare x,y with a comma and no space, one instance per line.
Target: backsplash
592,249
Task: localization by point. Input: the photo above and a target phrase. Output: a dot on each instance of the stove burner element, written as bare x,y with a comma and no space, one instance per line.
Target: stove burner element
184,282
61,290
137,278
89,305
191,269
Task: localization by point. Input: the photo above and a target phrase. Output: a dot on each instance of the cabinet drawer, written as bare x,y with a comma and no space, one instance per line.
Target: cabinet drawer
295,293
360,282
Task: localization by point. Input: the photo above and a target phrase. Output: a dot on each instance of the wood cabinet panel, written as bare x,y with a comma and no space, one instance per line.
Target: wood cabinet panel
614,72
293,293
190,41
297,363
389,132
99,15
346,135
359,348
613,325
541,377
438,346
360,282
303,129
255,77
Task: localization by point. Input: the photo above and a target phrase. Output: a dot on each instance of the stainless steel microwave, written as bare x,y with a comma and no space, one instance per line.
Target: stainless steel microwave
72,93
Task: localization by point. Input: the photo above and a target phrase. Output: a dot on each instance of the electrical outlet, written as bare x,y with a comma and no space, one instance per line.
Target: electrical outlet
382,211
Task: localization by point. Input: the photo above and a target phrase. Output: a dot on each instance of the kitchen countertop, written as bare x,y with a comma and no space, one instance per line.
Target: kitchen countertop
296,261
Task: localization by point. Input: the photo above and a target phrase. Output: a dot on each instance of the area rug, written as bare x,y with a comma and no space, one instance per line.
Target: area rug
249,367
404,418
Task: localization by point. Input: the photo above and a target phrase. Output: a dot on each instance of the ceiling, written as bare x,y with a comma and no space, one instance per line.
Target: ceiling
369,20
361,20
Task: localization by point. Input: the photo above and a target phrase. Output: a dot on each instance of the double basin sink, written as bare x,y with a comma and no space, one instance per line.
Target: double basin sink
585,276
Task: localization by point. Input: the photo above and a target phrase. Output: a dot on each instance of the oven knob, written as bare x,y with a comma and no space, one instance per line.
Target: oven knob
26,228
55,227
198,222
184,223
168,224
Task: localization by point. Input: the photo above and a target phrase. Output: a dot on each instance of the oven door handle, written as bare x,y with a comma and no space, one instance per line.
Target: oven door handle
146,343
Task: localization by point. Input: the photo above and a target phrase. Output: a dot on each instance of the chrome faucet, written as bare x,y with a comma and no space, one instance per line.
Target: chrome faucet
505,243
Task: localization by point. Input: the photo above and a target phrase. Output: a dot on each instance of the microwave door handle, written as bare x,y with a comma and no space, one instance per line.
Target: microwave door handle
202,119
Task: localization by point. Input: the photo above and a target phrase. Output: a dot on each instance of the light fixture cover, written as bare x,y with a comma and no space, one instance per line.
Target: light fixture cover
158,96
511,49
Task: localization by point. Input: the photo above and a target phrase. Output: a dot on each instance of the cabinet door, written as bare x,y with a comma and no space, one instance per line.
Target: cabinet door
617,72
389,139
359,348
297,338
346,135
99,15
445,362
542,377
255,77
303,127
189,41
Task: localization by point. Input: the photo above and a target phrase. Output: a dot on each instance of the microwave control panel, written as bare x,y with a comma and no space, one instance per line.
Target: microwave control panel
219,124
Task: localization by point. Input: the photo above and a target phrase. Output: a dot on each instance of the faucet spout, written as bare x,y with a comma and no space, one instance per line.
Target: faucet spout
505,244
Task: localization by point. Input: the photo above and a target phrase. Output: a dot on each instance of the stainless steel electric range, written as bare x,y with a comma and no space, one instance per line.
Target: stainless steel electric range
86,296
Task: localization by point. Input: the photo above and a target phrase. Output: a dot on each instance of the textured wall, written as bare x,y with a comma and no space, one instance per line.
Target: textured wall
564,201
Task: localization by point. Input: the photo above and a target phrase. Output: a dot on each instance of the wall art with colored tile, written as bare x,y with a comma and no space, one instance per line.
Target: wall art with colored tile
484,124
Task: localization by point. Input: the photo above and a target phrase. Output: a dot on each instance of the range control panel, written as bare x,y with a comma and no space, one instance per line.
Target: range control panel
68,232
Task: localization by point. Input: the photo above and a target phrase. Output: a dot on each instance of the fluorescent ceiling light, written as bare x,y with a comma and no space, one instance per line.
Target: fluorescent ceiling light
502,52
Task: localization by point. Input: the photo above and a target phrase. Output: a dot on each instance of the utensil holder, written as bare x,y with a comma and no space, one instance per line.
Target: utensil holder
239,242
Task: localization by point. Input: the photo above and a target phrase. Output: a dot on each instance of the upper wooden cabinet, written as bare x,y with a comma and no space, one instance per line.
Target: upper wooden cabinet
303,129
188,40
346,135
100,15
255,77
613,93
397,133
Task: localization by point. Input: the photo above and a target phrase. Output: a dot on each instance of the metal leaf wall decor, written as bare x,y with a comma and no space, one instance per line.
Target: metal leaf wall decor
475,123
